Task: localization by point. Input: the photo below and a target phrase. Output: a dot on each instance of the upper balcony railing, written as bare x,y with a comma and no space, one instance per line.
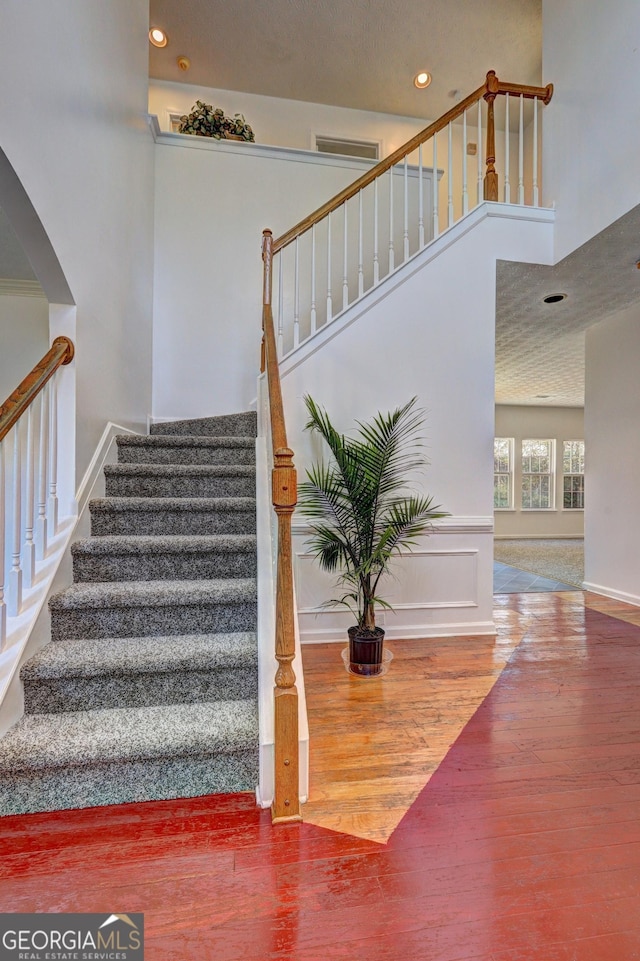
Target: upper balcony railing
28,478
345,248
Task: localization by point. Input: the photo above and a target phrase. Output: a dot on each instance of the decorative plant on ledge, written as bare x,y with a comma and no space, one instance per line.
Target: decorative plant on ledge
363,514
207,121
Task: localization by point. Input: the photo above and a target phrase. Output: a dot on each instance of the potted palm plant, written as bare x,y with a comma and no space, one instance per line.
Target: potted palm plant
362,514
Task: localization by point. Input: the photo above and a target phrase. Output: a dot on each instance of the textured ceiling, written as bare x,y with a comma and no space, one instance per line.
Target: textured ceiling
360,53
540,347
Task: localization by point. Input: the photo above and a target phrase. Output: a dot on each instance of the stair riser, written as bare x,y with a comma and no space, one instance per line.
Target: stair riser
118,486
56,696
227,425
156,567
142,621
105,522
97,785
186,455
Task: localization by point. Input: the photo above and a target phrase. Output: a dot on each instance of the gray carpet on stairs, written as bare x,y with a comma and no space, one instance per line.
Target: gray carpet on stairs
149,687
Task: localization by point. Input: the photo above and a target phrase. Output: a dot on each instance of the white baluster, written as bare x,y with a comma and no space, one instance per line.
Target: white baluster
296,296
507,182
345,263
536,196
465,191
434,184
280,306
15,574
420,201
313,280
405,234
360,248
392,261
3,606
52,511
479,154
329,305
29,548
450,176
41,522
376,258
521,153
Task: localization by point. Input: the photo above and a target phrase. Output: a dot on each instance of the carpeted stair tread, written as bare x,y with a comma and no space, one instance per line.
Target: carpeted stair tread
165,543
142,655
164,557
84,738
183,440
172,515
132,594
180,480
147,505
244,423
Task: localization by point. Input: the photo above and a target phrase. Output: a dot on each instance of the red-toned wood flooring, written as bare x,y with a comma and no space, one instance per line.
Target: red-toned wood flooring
522,845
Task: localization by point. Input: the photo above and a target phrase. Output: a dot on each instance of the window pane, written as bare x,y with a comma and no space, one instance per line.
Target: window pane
501,491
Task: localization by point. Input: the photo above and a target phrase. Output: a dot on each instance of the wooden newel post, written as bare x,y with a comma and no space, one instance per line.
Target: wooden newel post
286,801
491,177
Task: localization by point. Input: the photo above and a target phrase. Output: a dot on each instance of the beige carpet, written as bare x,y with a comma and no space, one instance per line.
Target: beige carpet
561,560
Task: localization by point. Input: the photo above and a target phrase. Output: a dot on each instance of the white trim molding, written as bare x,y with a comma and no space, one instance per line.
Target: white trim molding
611,592
21,288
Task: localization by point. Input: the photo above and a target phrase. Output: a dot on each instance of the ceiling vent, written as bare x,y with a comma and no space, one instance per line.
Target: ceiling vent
364,149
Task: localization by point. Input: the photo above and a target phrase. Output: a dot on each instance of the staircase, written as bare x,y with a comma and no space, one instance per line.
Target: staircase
149,687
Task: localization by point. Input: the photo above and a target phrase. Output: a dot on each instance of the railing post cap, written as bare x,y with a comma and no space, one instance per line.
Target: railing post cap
68,343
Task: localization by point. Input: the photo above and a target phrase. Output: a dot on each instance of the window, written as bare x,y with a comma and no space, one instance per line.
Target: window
573,475
503,473
537,474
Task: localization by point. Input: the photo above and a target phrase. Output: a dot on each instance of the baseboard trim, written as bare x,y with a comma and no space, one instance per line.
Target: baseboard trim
633,599
338,635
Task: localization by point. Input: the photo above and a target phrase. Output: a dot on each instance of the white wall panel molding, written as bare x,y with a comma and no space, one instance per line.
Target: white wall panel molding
448,525
20,288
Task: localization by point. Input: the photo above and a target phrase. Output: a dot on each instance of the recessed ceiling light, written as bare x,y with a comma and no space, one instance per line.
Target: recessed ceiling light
158,37
422,80
554,298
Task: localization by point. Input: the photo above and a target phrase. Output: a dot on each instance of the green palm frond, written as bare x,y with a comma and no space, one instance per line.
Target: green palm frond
360,499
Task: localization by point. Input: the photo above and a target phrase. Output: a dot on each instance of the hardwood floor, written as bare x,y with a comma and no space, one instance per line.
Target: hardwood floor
518,842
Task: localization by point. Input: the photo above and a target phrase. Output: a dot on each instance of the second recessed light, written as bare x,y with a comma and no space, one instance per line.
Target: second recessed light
422,80
158,37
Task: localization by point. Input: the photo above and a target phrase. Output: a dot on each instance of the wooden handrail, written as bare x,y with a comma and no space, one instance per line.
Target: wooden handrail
491,88
60,354
286,801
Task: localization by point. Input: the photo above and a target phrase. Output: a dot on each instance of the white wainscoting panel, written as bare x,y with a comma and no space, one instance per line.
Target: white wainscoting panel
438,589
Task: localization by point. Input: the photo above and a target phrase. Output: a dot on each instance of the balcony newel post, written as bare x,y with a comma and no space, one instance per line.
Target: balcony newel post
286,802
491,177
267,274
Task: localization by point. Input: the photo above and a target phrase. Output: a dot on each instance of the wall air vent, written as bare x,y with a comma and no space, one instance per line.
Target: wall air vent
367,149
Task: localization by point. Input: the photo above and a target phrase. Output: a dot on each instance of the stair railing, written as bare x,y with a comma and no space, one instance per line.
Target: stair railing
28,478
347,246
286,800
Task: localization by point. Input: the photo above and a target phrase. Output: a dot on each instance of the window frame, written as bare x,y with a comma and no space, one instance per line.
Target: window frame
572,474
510,441
550,474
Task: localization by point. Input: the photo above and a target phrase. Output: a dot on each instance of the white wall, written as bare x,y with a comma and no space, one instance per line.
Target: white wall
212,202
612,415
592,139
430,335
24,338
72,113
545,423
